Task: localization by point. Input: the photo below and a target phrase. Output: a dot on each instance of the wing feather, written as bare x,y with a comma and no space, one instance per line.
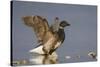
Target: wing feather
42,31
39,24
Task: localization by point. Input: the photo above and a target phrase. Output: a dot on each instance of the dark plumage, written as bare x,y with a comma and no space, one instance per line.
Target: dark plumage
60,33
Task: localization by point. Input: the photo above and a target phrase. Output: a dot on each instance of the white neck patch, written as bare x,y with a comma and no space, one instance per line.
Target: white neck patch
61,27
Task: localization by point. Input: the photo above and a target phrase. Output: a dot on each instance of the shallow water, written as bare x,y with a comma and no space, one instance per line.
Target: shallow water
38,59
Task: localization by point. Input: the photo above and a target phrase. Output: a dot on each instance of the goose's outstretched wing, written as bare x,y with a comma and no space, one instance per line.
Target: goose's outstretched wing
39,24
43,32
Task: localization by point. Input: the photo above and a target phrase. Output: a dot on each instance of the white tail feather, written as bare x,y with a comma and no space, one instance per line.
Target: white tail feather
37,50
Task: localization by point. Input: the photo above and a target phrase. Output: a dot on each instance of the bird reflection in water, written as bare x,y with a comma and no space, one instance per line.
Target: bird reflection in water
37,58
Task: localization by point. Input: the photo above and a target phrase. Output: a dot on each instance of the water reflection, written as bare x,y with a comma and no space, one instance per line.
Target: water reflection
38,57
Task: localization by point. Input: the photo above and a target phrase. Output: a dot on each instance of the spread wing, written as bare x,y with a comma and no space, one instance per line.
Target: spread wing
39,24
42,31
55,27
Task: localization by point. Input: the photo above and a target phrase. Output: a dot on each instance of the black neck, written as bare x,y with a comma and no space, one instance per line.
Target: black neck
61,35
